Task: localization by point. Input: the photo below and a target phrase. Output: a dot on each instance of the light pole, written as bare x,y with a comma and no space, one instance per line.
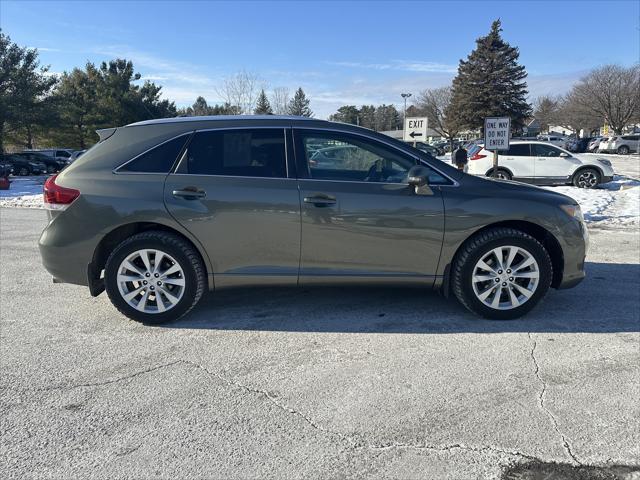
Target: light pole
405,96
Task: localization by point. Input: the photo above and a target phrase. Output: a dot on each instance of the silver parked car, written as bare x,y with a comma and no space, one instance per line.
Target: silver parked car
622,144
158,212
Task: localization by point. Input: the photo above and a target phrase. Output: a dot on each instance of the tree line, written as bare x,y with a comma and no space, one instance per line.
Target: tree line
39,108
490,83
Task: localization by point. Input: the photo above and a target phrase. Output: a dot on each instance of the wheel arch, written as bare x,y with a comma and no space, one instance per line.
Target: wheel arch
500,167
544,236
585,167
114,237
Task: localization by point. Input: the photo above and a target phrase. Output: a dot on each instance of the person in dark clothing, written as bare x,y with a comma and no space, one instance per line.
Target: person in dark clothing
460,158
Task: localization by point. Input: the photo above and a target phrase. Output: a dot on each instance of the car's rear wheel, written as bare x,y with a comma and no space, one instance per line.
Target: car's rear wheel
502,174
154,277
586,178
623,150
501,273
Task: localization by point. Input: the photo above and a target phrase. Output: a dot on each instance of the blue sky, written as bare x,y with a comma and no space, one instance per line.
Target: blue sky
339,52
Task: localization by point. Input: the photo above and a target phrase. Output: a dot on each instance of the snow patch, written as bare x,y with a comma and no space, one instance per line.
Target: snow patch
24,192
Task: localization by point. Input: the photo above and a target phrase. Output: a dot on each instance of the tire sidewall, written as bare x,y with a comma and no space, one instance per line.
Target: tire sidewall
624,150
544,264
178,254
580,172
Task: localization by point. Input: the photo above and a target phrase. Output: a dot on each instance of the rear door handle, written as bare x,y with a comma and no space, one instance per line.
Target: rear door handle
190,193
320,201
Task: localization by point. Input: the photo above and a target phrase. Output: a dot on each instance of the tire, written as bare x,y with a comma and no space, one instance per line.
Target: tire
501,174
181,290
468,288
51,169
587,178
623,150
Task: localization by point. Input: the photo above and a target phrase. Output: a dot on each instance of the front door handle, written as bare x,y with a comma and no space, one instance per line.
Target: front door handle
190,193
320,200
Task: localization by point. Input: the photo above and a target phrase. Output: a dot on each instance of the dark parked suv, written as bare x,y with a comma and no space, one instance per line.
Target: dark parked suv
160,211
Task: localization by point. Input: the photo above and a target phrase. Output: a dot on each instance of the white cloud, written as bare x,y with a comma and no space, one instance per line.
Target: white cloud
403,65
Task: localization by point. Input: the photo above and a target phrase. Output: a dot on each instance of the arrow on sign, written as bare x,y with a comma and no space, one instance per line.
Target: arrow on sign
415,134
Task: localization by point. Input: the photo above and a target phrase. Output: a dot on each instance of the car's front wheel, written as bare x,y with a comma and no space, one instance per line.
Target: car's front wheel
501,273
587,178
154,277
623,150
23,171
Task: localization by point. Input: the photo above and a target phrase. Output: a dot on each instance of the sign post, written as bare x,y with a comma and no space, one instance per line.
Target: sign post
415,129
497,134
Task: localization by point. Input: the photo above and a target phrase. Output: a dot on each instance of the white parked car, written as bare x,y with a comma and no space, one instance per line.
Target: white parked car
542,164
622,144
554,139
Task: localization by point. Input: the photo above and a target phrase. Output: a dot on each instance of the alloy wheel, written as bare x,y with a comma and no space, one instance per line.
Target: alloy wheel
151,281
506,277
587,179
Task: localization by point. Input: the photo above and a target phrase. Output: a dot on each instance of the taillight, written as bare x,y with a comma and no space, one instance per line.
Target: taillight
477,156
57,197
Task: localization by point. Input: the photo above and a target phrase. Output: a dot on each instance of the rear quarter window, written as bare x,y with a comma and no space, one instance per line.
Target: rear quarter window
159,159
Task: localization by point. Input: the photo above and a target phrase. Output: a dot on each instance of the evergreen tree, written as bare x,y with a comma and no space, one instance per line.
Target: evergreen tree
24,85
263,107
346,114
368,117
299,105
490,83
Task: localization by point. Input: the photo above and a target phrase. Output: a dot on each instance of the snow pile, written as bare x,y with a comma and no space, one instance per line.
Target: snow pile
612,205
25,192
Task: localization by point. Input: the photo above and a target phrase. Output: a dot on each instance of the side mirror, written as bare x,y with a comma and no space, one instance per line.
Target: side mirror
418,176
564,155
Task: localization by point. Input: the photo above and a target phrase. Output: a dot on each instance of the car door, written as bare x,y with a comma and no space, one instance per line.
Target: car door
361,221
550,165
519,161
233,192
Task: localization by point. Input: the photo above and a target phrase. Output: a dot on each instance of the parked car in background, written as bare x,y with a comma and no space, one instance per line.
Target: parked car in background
6,168
23,167
63,154
541,163
622,144
594,143
556,140
579,145
430,149
75,154
53,165
169,208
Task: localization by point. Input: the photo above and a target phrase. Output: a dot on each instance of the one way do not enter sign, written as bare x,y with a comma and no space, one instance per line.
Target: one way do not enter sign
415,129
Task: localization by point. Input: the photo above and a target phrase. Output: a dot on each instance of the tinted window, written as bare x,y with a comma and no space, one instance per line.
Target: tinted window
631,137
63,153
545,151
158,160
345,157
519,150
244,153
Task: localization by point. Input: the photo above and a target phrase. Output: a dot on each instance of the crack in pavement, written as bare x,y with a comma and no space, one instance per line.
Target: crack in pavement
353,444
554,420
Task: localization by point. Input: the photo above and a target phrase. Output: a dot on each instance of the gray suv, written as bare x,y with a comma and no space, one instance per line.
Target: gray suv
160,211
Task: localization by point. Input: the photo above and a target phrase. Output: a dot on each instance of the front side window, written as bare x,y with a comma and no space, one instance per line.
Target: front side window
545,151
258,152
157,160
348,158
63,153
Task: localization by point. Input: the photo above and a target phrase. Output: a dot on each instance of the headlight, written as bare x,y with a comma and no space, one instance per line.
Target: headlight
573,211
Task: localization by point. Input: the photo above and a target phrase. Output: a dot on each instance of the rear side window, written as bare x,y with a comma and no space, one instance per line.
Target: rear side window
519,150
157,160
258,152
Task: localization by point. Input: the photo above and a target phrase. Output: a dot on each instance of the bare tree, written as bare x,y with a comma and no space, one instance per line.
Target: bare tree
280,100
575,116
241,91
611,92
434,104
545,110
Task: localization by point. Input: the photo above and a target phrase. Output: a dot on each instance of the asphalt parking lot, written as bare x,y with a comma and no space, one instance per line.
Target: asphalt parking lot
341,383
